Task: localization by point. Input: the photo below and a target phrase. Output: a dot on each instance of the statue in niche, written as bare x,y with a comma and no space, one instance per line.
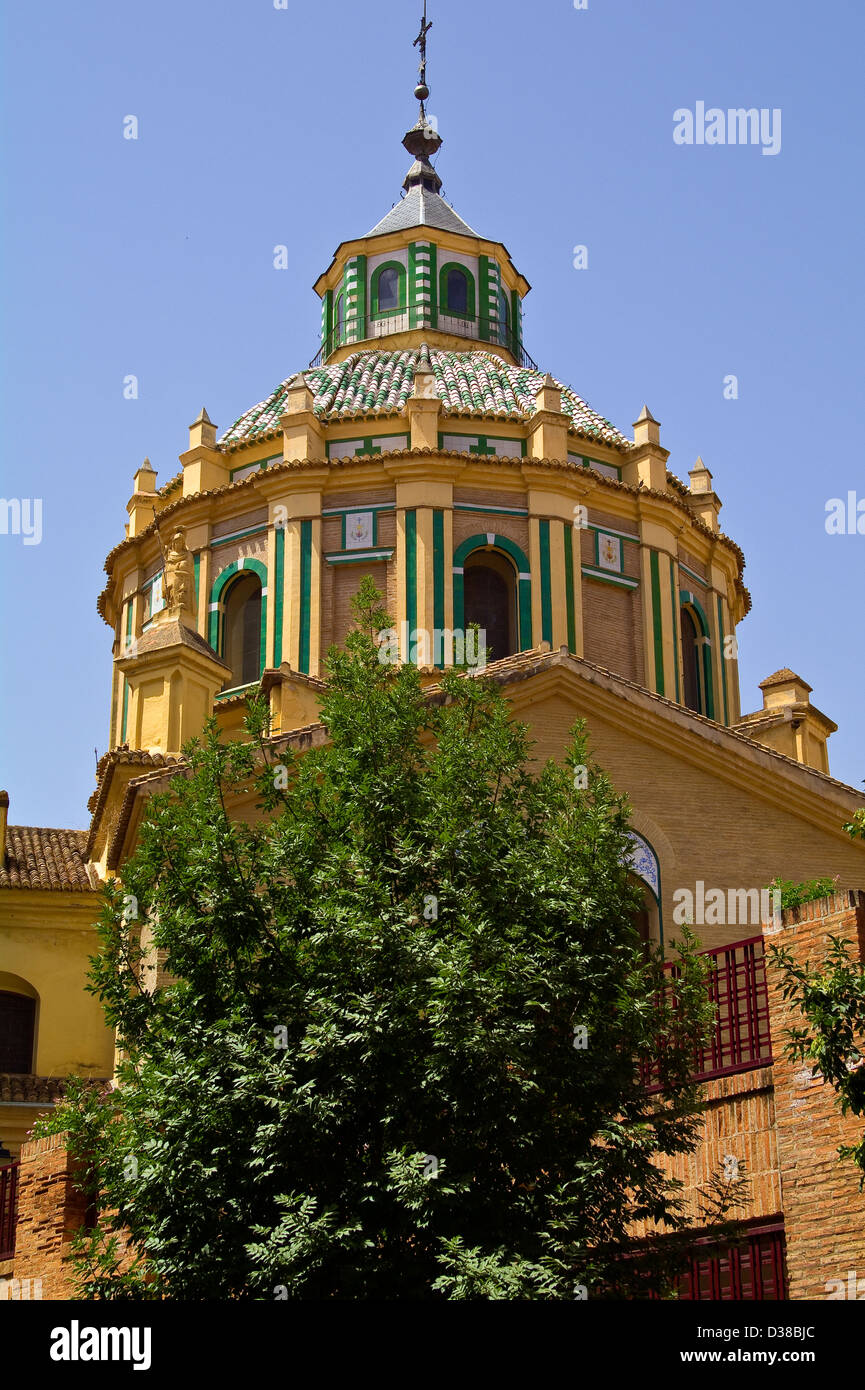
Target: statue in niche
179,579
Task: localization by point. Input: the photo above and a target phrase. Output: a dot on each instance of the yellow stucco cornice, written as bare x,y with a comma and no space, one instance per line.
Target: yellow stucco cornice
44,909
655,506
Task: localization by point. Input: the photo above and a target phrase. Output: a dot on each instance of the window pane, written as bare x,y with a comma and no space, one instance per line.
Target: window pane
388,289
504,318
489,602
242,630
457,292
251,639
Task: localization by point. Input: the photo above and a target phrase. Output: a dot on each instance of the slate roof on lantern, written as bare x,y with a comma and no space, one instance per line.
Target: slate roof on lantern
422,208
378,382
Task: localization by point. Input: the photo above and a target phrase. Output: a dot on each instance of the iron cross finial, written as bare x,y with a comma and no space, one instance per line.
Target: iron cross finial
421,40
424,30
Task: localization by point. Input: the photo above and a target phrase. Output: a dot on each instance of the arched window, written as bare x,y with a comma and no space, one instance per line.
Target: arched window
504,319
489,588
388,288
691,680
456,291
339,317
17,1031
241,629
643,863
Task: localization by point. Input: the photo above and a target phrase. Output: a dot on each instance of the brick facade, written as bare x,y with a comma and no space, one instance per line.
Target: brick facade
612,628
50,1210
824,1210
787,1127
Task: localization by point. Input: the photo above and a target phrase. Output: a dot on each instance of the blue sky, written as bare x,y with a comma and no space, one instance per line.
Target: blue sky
260,126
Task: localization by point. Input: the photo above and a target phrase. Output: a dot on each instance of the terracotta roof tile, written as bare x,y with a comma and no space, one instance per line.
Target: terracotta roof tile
46,859
135,757
21,1088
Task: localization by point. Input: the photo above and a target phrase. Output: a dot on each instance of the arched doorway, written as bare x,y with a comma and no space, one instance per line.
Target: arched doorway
490,600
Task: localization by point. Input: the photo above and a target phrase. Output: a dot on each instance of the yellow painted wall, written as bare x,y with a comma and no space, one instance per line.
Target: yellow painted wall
47,939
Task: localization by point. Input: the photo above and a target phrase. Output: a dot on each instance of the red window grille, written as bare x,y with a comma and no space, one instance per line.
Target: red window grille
741,1038
752,1268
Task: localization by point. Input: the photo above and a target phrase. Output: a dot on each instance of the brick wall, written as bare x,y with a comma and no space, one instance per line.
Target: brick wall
701,825
515,528
824,1211
50,1210
610,628
343,583
739,1123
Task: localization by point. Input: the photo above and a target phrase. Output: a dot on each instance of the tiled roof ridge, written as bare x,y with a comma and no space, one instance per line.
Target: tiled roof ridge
558,657
125,755
47,858
493,460
182,768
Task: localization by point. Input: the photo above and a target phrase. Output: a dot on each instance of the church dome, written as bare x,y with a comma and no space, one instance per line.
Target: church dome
377,381
424,448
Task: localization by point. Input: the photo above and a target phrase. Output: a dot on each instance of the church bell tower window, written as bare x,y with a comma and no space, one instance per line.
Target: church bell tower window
490,601
691,675
457,291
241,645
388,289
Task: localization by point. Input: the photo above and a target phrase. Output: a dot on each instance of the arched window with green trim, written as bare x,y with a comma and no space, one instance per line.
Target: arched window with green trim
696,657
493,588
241,629
388,289
339,318
504,319
456,291
238,620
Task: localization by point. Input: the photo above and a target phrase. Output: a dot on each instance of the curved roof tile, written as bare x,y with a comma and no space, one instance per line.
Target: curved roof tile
48,859
375,381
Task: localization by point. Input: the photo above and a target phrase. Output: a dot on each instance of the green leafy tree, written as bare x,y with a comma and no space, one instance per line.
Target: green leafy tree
387,1038
795,894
